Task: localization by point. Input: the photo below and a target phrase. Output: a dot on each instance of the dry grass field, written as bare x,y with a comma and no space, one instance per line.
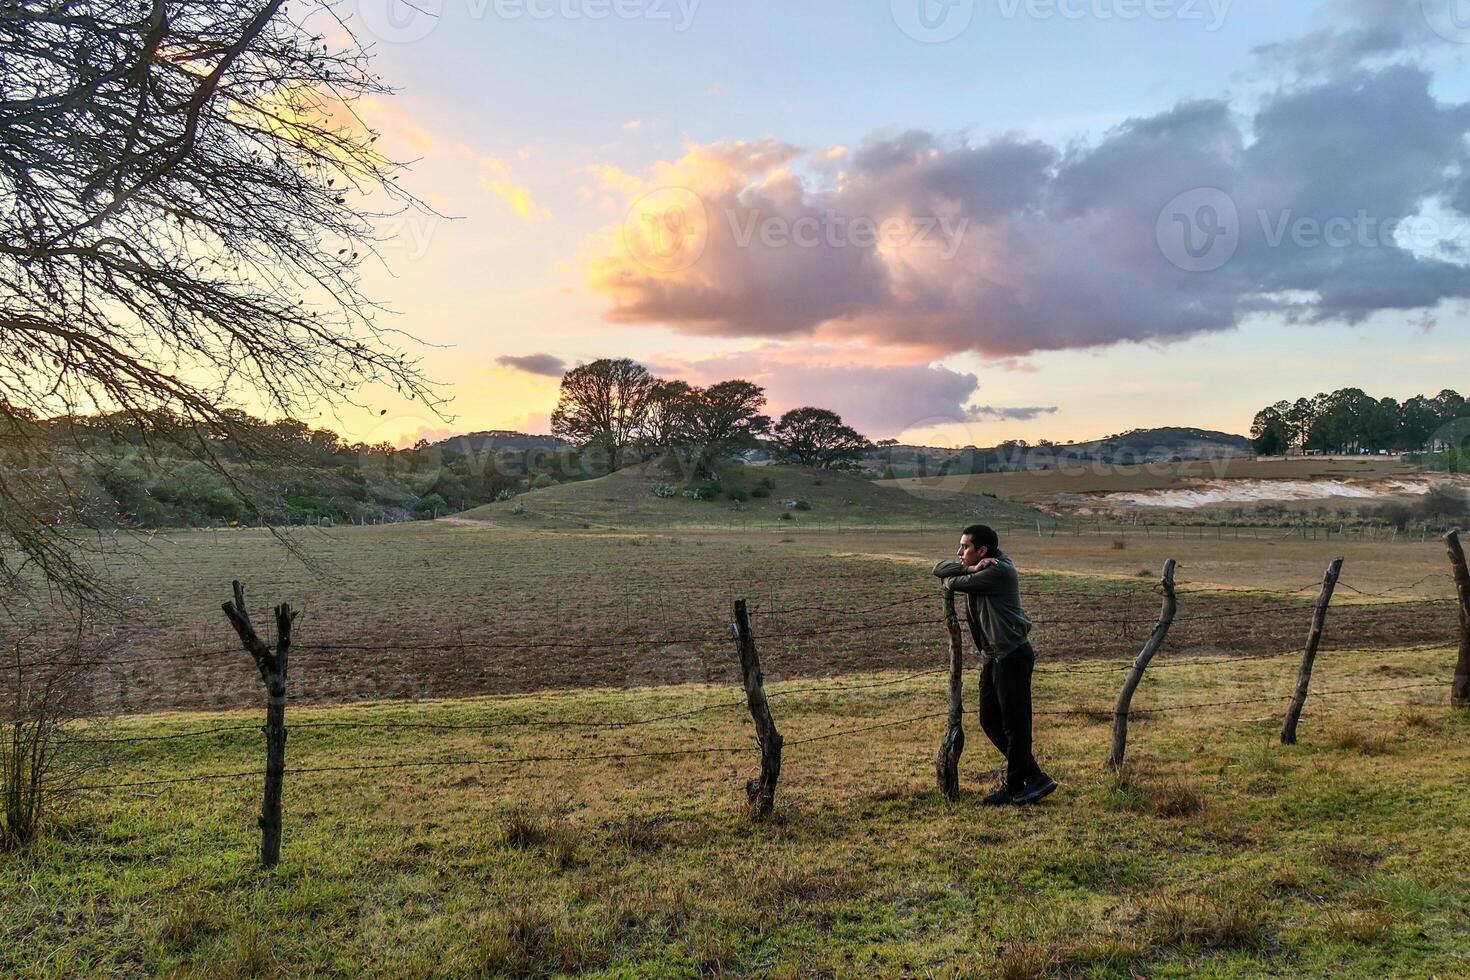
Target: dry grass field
488,599
517,839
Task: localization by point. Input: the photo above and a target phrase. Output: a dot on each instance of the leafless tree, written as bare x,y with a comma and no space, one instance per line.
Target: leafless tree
186,195
42,758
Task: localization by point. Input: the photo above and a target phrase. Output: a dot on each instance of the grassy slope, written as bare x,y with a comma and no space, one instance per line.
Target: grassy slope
625,499
1224,854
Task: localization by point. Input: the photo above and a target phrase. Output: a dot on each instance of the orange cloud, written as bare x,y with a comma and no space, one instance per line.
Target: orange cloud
496,178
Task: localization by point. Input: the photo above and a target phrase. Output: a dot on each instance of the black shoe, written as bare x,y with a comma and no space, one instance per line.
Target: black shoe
1001,797
1037,788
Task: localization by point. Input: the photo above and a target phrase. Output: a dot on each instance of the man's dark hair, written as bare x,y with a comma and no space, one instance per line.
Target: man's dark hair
982,535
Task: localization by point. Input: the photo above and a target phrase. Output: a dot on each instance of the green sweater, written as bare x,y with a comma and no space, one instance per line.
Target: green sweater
992,603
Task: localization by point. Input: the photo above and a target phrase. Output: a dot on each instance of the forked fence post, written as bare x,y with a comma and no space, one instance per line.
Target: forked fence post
1460,693
761,792
1135,675
272,665
1309,652
947,766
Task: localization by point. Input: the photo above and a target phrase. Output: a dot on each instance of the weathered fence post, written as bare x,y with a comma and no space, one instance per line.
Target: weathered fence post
1460,693
1309,652
761,792
947,766
272,665
1135,675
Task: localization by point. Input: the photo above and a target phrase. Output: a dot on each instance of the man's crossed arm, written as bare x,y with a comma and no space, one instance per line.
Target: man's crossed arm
981,577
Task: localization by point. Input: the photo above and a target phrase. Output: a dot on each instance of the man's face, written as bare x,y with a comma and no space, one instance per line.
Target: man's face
968,553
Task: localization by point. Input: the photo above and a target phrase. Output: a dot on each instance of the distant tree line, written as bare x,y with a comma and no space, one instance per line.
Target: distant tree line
1350,420
117,470
616,407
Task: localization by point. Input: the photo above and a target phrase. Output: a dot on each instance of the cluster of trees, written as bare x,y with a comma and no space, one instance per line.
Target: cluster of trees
616,407
1350,420
114,470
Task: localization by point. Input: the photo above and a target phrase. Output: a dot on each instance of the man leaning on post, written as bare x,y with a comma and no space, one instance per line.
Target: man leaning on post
987,577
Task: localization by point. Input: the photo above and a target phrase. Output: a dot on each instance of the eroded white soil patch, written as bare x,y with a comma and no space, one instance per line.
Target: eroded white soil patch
1209,492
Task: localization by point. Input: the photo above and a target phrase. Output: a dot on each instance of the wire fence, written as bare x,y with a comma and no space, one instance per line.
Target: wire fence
1072,608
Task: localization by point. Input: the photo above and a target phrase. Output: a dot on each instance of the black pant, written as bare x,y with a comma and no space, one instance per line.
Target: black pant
1005,711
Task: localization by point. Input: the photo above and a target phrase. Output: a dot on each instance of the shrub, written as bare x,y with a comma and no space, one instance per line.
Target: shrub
504,495
542,481
1229,921
786,515
1365,743
431,505
665,490
766,483
708,490
737,495
761,492
802,505
517,508
1443,500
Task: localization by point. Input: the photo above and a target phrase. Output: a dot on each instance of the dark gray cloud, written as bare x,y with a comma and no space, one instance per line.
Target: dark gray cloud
1037,247
548,365
1020,414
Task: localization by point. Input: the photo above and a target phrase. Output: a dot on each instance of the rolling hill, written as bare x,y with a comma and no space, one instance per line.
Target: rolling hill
1166,444
797,496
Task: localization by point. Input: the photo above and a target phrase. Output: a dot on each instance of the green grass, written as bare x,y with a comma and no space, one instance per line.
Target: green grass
1217,852
625,499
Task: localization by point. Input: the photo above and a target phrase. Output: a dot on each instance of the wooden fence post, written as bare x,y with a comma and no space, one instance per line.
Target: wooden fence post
947,766
1309,652
272,665
1460,693
1135,675
761,792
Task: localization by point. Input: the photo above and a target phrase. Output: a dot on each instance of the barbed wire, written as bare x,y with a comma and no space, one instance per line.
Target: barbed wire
1396,588
1098,712
392,644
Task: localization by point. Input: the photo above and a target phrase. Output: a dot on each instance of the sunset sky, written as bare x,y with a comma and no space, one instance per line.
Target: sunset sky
952,224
